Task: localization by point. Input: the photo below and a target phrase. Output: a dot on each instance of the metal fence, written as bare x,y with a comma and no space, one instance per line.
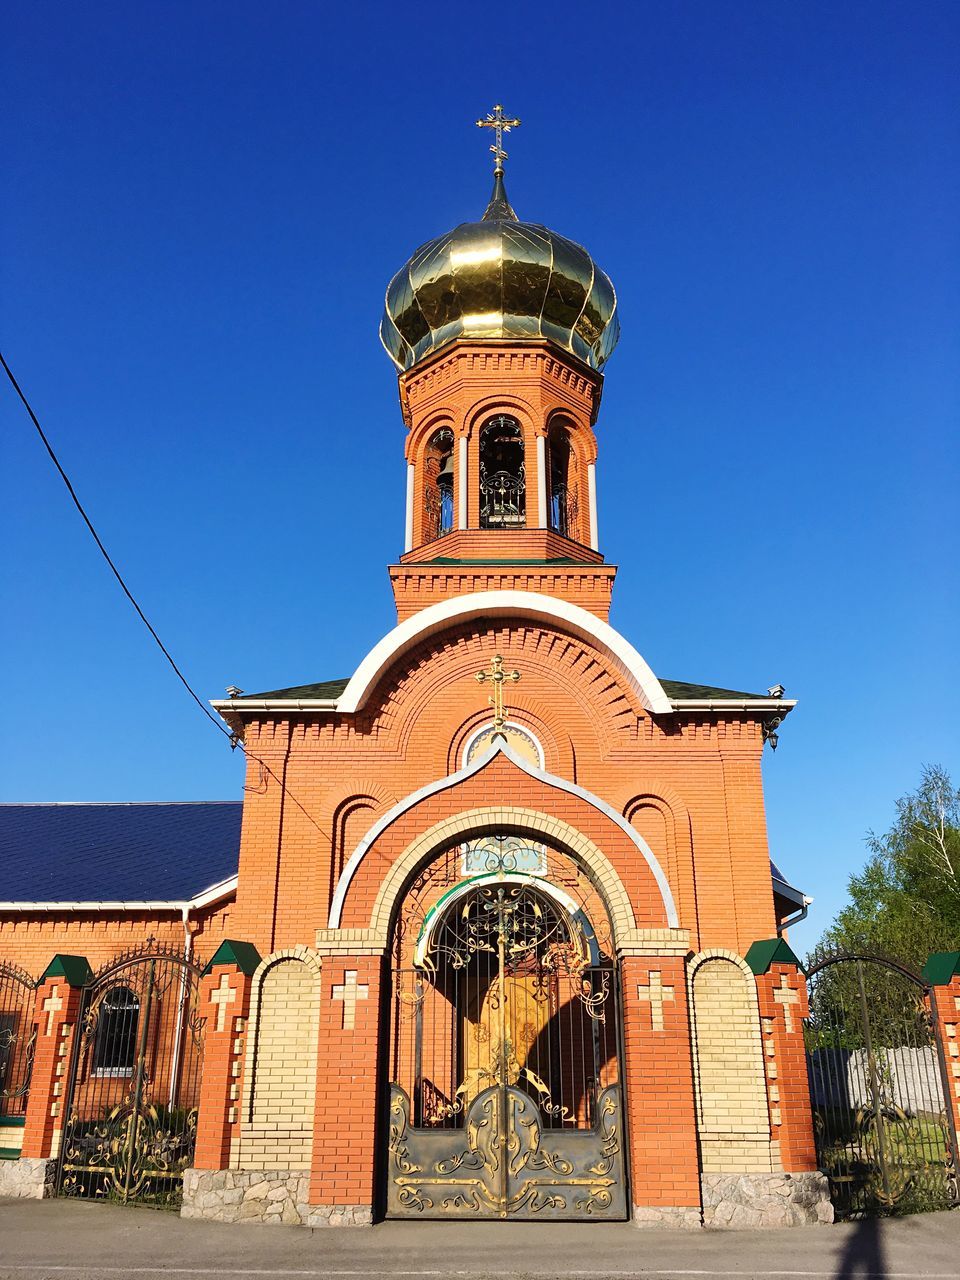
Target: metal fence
885,1136
134,1085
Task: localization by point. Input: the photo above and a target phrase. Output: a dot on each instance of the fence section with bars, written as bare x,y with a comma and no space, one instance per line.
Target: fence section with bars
134,1085
884,1133
18,1036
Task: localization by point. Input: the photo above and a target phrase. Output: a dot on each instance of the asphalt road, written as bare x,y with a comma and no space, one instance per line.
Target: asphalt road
65,1240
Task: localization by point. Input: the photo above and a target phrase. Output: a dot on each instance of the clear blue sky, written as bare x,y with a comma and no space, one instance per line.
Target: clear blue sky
203,205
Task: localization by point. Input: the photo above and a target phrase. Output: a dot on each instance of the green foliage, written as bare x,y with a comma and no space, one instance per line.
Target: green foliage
905,902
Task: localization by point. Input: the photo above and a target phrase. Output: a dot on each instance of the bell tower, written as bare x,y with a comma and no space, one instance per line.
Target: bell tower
499,330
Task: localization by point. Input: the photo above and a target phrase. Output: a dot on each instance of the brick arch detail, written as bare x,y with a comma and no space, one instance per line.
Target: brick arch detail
578,428
728,1070
471,821
607,705
493,404
424,431
283,1122
666,801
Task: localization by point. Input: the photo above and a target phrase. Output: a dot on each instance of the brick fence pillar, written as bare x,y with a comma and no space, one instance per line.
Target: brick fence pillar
225,1005
782,998
658,1090
57,1005
942,971
342,1182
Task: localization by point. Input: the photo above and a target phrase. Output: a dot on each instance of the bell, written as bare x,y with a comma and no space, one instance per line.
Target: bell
445,474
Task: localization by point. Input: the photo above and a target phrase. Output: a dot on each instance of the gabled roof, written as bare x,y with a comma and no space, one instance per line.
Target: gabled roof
154,852
676,690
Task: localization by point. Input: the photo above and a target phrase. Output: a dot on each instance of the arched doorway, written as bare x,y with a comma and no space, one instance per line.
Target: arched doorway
505,1096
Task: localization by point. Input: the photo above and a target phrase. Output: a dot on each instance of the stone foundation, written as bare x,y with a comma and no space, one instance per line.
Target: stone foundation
27,1179
268,1196
340,1215
735,1201
664,1216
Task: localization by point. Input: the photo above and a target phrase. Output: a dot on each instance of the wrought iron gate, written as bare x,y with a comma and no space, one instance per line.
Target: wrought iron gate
18,1035
884,1134
134,1085
505,1094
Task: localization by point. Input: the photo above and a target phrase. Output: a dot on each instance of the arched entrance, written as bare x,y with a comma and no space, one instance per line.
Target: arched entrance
505,1096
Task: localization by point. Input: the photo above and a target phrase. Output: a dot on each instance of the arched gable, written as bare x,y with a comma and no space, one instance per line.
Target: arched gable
497,604
605,816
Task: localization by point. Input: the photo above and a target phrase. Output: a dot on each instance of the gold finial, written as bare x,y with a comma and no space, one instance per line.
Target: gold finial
500,124
496,675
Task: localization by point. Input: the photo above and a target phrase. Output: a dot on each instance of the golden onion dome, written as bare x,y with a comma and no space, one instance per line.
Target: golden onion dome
500,278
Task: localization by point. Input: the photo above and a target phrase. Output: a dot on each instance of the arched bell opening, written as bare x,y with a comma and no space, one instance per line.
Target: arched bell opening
438,474
503,484
504,1039
563,508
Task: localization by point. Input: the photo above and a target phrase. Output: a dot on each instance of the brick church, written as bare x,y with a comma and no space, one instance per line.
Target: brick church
495,932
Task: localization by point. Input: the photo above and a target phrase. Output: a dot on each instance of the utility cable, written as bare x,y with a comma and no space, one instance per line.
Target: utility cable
106,555
234,739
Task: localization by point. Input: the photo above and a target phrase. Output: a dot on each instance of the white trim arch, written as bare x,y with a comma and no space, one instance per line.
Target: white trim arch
443,784
580,922
497,604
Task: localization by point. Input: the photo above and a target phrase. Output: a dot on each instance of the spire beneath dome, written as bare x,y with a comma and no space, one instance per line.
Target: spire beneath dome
499,209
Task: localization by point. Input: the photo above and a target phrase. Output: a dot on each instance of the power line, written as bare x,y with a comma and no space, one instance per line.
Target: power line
103,551
234,739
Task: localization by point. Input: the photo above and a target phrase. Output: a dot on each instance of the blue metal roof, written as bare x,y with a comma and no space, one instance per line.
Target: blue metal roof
116,852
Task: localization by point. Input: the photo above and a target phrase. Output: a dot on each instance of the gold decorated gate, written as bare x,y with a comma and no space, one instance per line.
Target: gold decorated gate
505,1093
134,1084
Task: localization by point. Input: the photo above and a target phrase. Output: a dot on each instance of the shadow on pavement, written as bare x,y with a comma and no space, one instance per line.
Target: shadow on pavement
862,1255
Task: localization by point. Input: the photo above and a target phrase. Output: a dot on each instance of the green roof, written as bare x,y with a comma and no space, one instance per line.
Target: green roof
674,689
74,970
242,954
941,967
769,952
677,689
325,689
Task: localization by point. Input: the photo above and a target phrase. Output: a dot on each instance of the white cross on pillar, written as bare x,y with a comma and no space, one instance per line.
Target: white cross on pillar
786,996
655,992
350,991
221,997
52,1005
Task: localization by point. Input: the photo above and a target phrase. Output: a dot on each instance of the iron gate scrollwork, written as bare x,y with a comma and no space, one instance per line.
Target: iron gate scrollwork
505,1096
134,1085
18,1038
884,1133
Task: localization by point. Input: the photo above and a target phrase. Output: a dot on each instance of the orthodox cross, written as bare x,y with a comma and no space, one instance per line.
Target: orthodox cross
786,996
656,993
500,124
51,1007
496,675
350,991
221,997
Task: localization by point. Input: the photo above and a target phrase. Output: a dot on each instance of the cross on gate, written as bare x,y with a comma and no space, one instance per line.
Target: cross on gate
52,1005
350,991
496,675
656,993
786,996
221,997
